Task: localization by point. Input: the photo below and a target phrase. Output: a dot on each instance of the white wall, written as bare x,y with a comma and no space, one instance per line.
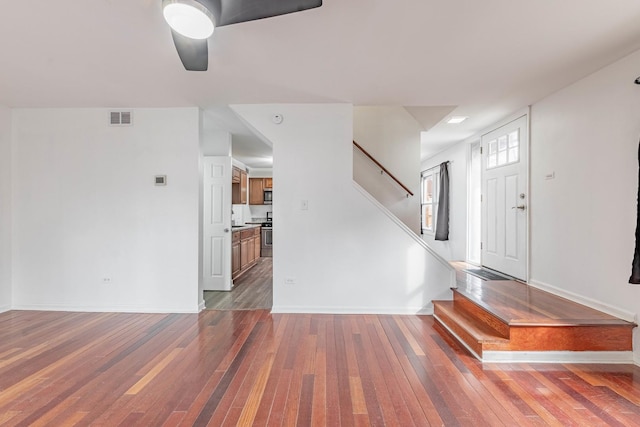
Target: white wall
455,248
343,253
259,211
214,142
260,172
583,221
5,209
86,208
392,136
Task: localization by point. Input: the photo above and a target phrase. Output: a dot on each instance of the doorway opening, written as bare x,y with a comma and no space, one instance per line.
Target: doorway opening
250,267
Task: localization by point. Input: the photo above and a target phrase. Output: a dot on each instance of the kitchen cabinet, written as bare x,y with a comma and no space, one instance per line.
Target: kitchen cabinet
244,254
238,186
245,250
243,187
235,255
257,242
256,189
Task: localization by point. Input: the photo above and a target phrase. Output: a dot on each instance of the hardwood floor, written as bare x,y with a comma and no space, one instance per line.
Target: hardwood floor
253,290
249,368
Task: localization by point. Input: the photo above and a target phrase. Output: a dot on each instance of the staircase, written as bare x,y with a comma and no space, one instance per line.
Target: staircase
509,321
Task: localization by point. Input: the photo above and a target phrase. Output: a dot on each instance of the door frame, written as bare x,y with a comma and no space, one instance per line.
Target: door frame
474,207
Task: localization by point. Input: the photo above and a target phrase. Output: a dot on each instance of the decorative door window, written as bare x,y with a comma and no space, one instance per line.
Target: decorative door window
504,150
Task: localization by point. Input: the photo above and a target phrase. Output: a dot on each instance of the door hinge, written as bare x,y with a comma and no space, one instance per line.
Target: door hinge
480,149
480,245
481,198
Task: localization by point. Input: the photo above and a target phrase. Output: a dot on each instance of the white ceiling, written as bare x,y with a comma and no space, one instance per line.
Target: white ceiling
488,58
247,147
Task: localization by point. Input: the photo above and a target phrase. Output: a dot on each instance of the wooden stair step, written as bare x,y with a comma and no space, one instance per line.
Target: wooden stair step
511,316
480,314
516,303
476,335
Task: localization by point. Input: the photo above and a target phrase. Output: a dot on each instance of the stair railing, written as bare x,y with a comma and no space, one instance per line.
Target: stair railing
383,170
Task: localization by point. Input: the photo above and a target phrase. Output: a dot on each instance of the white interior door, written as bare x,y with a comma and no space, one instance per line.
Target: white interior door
217,224
505,199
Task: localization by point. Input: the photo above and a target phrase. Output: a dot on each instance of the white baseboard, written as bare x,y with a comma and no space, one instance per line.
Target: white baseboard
428,310
105,309
589,302
608,357
4,308
201,306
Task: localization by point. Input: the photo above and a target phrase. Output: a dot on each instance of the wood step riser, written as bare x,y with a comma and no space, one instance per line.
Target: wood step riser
571,338
462,333
462,303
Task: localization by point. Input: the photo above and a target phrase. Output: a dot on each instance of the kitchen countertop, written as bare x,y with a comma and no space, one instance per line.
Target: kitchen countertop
243,227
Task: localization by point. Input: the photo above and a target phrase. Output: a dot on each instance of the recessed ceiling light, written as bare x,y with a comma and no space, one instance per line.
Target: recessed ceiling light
457,119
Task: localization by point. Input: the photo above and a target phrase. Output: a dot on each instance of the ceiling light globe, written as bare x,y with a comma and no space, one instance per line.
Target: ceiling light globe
189,18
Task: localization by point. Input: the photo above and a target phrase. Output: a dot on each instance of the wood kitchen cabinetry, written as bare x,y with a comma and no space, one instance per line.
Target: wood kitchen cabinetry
256,189
256,243
245,250
238,186
235,255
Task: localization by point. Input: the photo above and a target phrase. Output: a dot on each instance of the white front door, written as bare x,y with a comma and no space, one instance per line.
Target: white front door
505,199
216,264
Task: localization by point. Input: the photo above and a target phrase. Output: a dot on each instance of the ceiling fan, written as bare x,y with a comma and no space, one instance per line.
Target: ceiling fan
193,21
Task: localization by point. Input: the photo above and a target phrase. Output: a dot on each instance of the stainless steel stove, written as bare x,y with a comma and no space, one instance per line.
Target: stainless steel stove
267,238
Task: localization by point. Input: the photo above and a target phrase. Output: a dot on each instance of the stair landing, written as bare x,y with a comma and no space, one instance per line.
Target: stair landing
508,320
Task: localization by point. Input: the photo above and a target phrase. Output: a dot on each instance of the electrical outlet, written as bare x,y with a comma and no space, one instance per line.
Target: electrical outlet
290,281
106,280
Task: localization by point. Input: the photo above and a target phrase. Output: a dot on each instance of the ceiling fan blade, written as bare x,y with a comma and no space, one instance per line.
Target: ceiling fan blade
194,54
229,12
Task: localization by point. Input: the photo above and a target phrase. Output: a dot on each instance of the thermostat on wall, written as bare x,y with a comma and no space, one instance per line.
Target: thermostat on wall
161,180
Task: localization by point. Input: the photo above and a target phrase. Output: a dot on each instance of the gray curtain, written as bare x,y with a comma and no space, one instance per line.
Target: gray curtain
635,266
442,220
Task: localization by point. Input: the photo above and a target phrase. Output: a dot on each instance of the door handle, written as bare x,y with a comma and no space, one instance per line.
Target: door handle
520,207
226,230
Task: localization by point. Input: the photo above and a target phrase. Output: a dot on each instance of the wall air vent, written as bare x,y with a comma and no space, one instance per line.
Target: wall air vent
120,118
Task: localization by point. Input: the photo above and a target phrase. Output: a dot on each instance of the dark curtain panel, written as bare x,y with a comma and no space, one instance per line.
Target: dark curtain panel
442,220
635,270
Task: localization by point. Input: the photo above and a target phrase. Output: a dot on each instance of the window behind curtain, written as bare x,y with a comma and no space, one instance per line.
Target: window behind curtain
429,199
